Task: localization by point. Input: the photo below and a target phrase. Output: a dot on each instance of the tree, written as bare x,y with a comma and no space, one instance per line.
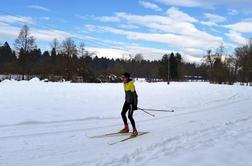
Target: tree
138,57
7,59
55,45
25,40
209,60
69,47
82,49
163,68
6,54
244,58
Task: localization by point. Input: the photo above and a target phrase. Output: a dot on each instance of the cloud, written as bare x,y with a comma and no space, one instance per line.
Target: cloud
128,26
44,18
178,15
38,7
207,3
16,19
8,25
212,19
184,3
50,34
8,32
236,37
85,17
107,52
149,5
147,52
194,51
173,14
243,26
175,21
175,28
171,39
108,19
232,12
215,18
208,23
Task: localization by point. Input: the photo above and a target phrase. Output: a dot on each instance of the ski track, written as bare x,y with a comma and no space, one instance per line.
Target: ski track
64,142
83,121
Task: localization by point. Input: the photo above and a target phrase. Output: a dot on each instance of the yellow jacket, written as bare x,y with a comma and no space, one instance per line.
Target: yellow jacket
130,93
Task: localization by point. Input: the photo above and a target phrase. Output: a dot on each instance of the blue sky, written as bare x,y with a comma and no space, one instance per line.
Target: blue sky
116,28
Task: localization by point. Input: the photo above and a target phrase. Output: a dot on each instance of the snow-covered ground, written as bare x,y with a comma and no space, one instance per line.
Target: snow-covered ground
48,124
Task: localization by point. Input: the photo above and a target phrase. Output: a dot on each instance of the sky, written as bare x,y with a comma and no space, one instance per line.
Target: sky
117,28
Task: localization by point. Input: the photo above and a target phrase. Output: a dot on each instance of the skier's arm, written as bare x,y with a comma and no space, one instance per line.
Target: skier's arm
134,96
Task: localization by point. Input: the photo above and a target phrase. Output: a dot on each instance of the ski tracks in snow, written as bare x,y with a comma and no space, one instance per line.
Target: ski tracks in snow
170,147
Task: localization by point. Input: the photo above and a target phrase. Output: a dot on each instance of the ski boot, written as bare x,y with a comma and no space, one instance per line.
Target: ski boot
125,129
134,133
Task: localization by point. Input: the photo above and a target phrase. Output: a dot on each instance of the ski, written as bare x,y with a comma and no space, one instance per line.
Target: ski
128,138
109,134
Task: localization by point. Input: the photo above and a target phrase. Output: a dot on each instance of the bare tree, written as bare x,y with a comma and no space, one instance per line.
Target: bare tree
25,40
69,47
139,57
55,44
209,59
82,48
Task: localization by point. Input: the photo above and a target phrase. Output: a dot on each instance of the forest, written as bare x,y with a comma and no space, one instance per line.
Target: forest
69,60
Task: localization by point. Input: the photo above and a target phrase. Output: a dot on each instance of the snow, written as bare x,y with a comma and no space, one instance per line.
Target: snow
48,124
35,79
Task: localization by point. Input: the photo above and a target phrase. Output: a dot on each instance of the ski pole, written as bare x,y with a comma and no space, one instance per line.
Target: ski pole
155,110
147,112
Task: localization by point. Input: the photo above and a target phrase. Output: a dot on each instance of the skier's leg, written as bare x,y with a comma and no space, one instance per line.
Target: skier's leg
123,114
130,116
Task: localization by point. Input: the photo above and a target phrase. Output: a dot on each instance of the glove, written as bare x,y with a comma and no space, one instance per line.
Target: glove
134,107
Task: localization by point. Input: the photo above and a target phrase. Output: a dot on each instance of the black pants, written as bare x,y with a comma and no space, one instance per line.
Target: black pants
128,107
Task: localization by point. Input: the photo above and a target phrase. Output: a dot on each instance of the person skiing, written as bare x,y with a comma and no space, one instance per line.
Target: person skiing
130,104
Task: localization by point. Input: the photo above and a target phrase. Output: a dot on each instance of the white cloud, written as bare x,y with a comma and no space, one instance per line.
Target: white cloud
107,52
175,21
236,37
232,12
85,17
147,52
212,19
185,3
8,32
207,3
175,28
243,26
16,19
208,23
194,51
178,15
191,59
149,5
128,26
215,18
50,34
44,18
171,39
108,19
89,28
38,7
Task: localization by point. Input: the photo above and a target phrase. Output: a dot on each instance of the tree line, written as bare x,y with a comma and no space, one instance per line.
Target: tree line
68,60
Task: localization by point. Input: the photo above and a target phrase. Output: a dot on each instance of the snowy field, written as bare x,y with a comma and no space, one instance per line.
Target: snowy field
48,124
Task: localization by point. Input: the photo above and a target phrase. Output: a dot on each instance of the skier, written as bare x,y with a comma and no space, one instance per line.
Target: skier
130,104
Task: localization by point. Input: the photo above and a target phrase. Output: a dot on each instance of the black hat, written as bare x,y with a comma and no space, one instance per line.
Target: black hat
127,75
